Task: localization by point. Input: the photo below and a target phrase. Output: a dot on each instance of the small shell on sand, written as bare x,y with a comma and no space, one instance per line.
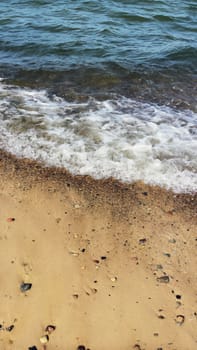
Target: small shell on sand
44,339
74,253
180,319
50,328
114,279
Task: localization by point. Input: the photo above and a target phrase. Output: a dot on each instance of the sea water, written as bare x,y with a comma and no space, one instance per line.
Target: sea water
105,88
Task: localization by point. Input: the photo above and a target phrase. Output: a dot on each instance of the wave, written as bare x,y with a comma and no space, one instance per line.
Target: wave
184,54
119,137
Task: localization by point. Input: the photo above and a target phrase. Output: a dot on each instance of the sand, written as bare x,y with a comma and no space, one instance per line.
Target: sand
111,266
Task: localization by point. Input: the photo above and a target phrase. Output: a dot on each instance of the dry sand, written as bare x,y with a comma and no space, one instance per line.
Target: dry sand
95,252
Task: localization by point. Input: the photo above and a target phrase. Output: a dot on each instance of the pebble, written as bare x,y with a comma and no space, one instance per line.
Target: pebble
145,193
142,241
73,253
167,254
137,347
114,279
178,296
10,328
96,261
25,287
50,328
81,347
94,290
163,279
180,319
159,267
75,296
44,339
10,219
172,240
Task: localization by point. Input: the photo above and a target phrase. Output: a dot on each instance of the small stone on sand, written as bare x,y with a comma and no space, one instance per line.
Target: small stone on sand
113,279
75,296
10,328
142,241
10,219
163,279
25,287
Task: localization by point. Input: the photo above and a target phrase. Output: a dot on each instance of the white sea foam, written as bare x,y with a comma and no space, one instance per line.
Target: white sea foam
122,138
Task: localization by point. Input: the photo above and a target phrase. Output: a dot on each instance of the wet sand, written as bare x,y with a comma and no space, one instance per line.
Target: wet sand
112,266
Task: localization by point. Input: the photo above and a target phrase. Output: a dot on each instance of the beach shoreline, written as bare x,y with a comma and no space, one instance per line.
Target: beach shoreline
111,265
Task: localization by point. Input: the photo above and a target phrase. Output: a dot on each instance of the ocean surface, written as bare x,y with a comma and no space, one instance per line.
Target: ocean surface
105,88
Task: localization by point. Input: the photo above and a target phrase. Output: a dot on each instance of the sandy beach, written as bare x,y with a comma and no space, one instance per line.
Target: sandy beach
111,266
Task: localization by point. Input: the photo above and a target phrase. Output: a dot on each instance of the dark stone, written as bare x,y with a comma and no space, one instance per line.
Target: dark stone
50,328
142,240
178,296
103,257
137,347
167,254
81,347
145,193
10,328
163,279
25,287
161,317
83,250
96,261
159,267
75,296
32,348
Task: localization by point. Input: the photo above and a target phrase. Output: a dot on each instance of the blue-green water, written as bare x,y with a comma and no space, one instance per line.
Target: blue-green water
59,34
72,71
